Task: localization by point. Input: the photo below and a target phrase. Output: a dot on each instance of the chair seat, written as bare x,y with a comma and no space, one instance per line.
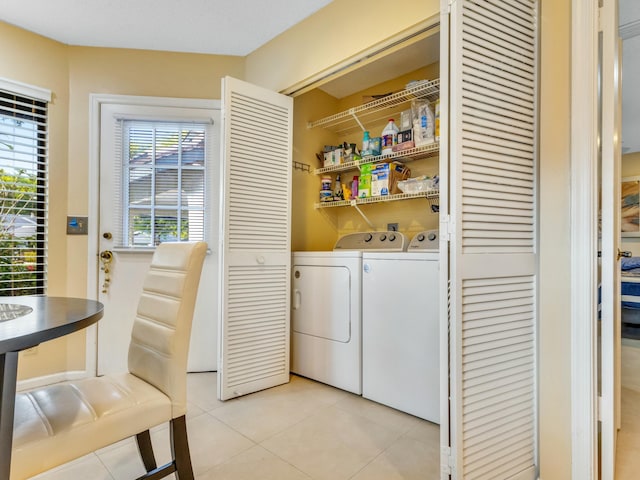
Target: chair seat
58,423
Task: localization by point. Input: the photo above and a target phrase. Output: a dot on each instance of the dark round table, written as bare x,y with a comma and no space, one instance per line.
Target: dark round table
24,323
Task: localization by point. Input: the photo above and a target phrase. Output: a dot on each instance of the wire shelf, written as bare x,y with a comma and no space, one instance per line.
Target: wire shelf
426,151
350,120
431,195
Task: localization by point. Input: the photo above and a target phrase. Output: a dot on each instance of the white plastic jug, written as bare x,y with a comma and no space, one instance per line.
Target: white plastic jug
389,137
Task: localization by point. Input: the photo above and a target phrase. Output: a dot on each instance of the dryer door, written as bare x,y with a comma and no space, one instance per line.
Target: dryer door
322,301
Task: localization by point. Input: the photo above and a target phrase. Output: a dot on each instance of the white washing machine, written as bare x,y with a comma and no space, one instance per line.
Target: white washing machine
326,316
400,339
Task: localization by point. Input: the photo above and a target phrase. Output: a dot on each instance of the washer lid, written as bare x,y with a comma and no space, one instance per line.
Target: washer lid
376,241
427,241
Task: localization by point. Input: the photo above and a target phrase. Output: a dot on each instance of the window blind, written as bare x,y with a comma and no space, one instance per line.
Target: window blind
163,179
23,194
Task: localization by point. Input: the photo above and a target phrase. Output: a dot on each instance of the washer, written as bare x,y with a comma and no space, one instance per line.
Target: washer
400,340
326,343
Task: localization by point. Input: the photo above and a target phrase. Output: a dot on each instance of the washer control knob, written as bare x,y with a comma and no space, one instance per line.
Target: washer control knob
421,237
432,237
368,237
392,238
383,237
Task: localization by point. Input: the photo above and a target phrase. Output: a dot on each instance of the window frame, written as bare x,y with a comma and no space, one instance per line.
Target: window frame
30,104
125,207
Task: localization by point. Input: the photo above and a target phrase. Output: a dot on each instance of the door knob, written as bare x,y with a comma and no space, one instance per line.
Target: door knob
625,254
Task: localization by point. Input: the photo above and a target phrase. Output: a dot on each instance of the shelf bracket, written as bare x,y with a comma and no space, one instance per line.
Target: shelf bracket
355,117
355,205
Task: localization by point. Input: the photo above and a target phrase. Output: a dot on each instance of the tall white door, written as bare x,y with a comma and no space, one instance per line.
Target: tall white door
610,329
490,219
129,263
255,253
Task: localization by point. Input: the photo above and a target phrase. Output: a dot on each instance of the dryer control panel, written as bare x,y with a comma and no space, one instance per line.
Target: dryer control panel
427,241
373,241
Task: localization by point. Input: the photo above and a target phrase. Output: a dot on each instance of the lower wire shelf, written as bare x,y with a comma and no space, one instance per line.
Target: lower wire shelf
431,195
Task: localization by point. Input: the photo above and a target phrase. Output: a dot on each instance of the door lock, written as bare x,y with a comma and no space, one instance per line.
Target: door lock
106,257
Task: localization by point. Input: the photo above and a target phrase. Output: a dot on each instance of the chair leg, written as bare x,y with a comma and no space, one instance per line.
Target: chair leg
146,450
180,449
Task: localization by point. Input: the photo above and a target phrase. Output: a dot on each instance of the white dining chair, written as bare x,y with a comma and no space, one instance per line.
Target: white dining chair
61,422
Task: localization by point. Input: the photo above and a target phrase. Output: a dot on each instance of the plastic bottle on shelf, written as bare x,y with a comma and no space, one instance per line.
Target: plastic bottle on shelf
366,148
389,137
337,189
437,121
326,183
354,187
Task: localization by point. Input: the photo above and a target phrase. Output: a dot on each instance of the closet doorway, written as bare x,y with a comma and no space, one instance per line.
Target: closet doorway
627,463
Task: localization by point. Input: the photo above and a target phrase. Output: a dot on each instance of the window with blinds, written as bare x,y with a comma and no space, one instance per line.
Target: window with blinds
23,194
163,182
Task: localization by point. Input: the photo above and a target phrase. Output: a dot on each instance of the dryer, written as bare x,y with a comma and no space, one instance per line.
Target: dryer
400,327
326,316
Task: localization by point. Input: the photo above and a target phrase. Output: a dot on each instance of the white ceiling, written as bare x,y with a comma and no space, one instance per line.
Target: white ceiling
225,27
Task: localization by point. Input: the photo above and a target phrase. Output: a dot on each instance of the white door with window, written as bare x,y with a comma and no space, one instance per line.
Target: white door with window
159,181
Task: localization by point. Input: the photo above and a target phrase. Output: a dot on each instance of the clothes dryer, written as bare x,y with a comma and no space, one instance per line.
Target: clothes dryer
326,333
400,327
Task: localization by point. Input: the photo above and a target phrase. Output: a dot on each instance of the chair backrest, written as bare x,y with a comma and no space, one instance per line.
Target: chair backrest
162,328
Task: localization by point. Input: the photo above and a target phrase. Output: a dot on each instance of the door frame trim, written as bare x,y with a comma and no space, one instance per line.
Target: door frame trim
584,239
96,101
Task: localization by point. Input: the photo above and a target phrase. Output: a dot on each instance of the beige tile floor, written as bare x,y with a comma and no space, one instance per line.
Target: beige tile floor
299,431
628,446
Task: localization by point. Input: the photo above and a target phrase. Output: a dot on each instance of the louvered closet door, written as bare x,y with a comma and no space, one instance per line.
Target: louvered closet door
255,255
493,249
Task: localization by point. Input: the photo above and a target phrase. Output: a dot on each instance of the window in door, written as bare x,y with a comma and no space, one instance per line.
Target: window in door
163,182
23,194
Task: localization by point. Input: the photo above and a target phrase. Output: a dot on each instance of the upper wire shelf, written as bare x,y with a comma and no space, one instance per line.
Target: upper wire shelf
352,119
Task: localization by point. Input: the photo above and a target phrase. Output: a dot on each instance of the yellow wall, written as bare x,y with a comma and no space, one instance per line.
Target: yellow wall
311,229
339,31
554,281
37,61
630,165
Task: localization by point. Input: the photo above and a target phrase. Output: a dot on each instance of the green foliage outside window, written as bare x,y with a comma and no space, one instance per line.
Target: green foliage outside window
18,240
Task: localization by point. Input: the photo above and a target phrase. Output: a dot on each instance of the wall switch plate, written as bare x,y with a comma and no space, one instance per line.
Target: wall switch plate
392,227
77,225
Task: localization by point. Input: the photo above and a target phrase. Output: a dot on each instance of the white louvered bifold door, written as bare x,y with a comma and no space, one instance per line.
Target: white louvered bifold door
493,238
255,254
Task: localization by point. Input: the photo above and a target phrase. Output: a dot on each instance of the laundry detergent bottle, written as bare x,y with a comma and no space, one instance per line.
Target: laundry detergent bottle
389,137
